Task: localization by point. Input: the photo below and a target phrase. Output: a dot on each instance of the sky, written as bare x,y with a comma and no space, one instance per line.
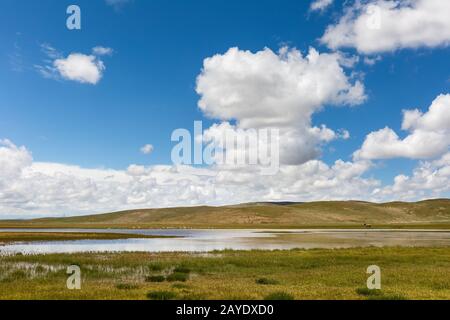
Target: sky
358,91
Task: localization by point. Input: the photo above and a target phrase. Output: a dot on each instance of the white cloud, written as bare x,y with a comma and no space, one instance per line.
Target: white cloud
80,67
117,3
12,159
269,90
75,67
431,179
429,135
30,188
320,5
381,25
147,149
50,52
371,61
102,51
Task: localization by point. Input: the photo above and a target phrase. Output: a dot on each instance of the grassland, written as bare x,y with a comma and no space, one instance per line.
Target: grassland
7,237
407,273
346,214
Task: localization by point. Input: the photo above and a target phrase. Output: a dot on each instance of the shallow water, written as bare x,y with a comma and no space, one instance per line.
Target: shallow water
210,240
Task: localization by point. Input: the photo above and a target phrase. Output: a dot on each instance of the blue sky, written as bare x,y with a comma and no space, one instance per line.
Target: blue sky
148,87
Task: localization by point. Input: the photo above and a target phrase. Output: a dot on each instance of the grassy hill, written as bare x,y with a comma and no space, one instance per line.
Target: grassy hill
430,213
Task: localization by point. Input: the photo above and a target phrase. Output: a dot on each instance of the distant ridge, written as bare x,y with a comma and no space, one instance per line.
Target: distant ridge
275,203
428,213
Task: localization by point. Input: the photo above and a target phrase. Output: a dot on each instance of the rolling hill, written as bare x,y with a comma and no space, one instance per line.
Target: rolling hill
429,213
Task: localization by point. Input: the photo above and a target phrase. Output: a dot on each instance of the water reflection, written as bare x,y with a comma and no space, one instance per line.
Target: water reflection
210,240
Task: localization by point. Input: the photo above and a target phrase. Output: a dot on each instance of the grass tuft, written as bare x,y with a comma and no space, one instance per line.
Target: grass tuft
279,295
379,295
161,295
368,293
178,276
155,279
182,269
266,281
393,296
127,286
156,267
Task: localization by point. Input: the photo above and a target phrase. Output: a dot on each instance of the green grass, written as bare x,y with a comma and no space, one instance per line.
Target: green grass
178,277
182,269
155,279
342,214
379,294
8,237
126,286
266,281
279,295
368,292
407,273
161,295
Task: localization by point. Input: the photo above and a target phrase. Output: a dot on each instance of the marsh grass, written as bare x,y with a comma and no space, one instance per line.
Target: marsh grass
161,295
178,277
8,237
127,286
279,295
182,269
14,276
407,273
368,292
155,279
266,281
180,286
156,266
393,296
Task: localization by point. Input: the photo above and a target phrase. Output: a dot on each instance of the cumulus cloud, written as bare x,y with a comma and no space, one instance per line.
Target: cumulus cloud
429,135
77,67
80,67
277,90
320,5
147,149
386,25
13,159
431,179
29,188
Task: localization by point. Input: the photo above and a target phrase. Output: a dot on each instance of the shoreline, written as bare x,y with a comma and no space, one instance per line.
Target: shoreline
7,238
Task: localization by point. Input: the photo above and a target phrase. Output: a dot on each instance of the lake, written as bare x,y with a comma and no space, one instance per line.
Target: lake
212,239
